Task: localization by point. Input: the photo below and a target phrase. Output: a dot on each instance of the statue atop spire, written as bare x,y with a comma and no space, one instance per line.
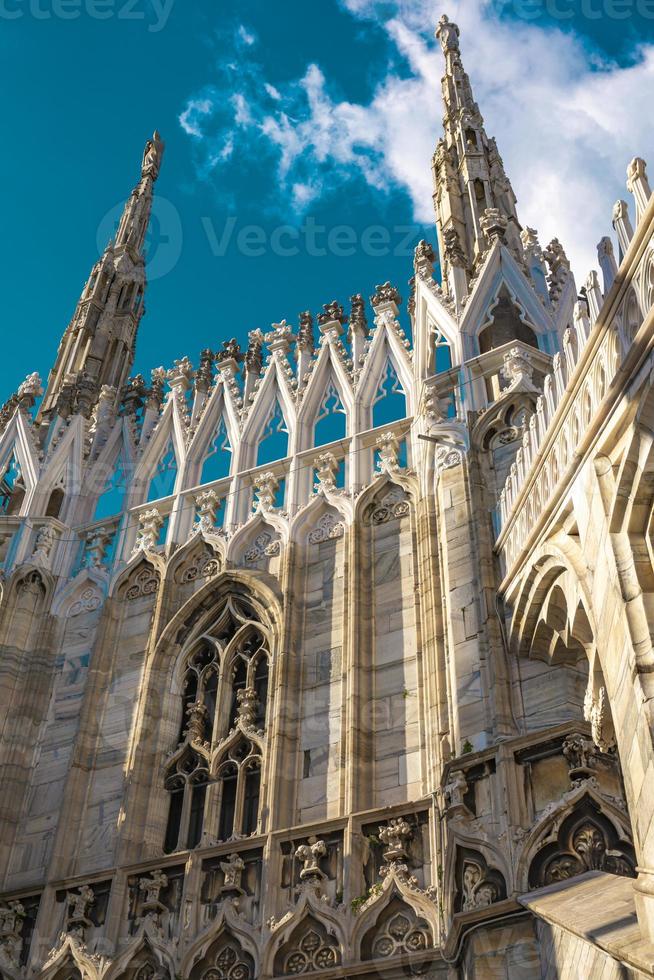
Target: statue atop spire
152,156
448,34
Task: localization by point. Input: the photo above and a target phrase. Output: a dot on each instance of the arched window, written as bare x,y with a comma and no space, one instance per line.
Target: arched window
112,495
163,479
389,403
506,325
274,440
12,488
55,502
330,422
442,353
215,774
218,460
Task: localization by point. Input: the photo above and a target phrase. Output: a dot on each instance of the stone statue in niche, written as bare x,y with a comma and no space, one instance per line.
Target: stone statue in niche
232,870
79,906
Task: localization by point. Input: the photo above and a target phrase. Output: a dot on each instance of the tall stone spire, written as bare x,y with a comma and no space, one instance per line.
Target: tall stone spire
97,347
473,197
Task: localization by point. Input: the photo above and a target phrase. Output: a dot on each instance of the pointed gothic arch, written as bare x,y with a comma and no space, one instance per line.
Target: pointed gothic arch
326,410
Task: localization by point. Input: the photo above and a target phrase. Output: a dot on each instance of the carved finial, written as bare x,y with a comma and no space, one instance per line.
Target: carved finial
386,293
454,253
305,332
254,355
230,351
493,224
332,312
204,374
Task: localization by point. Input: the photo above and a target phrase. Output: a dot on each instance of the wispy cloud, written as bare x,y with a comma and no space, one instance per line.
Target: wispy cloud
247,37
567,122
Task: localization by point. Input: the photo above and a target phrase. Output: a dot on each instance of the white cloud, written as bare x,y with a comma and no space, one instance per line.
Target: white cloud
190,120
246,36
566,123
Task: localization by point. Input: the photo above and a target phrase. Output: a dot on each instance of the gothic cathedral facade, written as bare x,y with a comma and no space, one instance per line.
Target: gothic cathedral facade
332,658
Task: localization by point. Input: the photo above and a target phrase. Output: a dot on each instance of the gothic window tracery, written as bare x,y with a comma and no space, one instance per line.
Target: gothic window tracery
309,948
273,444
218,460
398,930
330,423
112,493
164,477
12,488
442,352
586,841
216,771
227,961
389,403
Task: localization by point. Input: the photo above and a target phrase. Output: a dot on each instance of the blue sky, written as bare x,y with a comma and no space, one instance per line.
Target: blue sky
290,128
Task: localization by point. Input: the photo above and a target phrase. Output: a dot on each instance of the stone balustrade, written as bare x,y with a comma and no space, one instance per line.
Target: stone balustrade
595,349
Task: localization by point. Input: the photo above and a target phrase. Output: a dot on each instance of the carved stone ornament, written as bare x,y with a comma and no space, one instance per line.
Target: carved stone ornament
454,793
204,564
332,312
263,547
454,253
197,716
44,544
95,547
145,582
326,466
310,854
230,963
386,293
265,488
402,933
207,507
152,888
393,836
581,755
358,320
585,849
493,224
12,916
313,952
232,870
327,528
89,601
392,506
247,702
79,905
147,535
597,712
478,891
518,370
388,448
447,457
